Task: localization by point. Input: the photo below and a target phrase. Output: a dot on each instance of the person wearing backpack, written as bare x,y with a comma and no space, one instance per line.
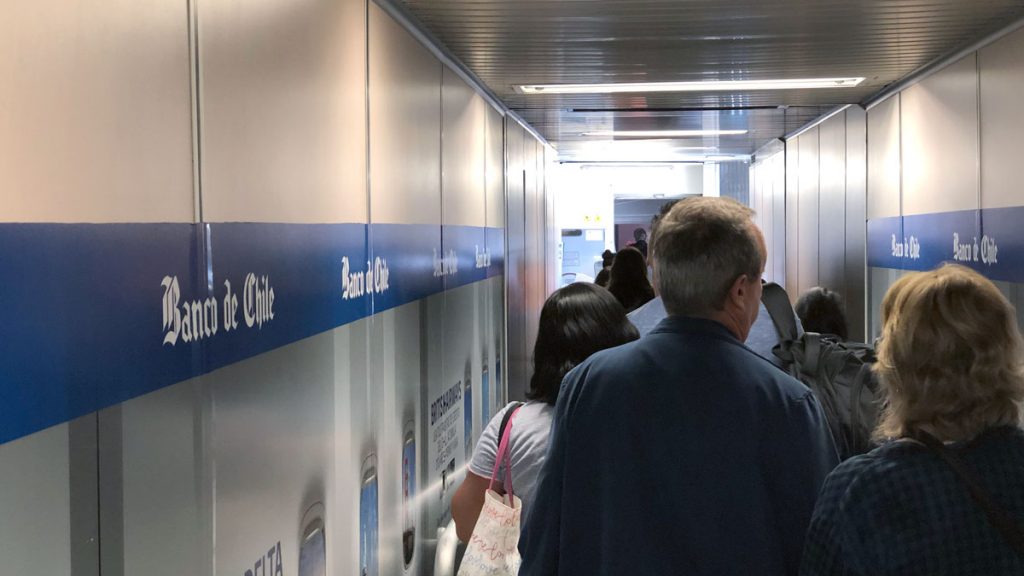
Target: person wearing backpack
821,310
575,322
944,496
836,370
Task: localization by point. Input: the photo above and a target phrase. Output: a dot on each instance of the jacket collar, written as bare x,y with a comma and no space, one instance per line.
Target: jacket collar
690,325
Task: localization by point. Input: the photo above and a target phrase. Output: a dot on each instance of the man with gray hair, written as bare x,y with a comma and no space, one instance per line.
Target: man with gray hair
683,452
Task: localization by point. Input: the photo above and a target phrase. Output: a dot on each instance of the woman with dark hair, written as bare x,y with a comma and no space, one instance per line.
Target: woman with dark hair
628,282
575,322
821,310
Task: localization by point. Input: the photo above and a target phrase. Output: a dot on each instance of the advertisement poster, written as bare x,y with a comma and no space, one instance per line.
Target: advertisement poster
408,497
313,546
368,539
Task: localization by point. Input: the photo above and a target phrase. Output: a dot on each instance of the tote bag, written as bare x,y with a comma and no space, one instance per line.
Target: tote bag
493,549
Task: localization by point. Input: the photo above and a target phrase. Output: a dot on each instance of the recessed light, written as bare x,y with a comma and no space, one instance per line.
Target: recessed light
661,133
699,86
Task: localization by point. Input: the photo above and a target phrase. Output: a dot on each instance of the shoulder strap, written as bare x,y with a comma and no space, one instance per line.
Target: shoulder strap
776,301
1011,531
502,455
508,416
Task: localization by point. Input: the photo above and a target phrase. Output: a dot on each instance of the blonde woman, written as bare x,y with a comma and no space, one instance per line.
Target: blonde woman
946,495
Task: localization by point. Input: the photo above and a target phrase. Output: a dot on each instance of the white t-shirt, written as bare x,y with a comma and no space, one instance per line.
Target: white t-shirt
528,445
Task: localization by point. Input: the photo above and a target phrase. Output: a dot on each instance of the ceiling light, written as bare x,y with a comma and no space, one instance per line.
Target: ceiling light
661,133
700,86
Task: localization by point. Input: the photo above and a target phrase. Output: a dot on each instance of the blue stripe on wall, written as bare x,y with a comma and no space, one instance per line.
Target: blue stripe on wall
990,241
96,314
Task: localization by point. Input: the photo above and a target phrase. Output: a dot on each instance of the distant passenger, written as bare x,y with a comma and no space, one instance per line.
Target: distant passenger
763,334
683,452
575,322
821,310
640,240
951,362
607,258
628,281
602,278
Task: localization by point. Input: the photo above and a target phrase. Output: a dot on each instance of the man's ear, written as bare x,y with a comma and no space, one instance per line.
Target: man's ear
738,291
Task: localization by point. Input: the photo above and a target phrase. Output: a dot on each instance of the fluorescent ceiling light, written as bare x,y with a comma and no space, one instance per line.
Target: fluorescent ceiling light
700,86
662,133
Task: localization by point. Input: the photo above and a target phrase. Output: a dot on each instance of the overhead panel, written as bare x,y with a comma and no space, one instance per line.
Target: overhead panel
615,41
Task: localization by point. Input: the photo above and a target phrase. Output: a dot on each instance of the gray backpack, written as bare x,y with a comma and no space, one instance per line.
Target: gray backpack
839,373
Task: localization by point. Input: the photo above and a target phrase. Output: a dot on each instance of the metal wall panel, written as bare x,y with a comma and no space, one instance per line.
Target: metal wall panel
95,124
779,230
405,125
35,504
883,152
162,440
807,213
494,167
273,448
534,208
792,223
463,132
283,110
515,261
832,204
939,139
856,215
1001,71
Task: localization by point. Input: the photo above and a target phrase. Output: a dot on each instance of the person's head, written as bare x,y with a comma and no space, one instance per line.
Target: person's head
628,280
607,258
575,322
950,358
665,208
602,277
639,234
708,261
821,310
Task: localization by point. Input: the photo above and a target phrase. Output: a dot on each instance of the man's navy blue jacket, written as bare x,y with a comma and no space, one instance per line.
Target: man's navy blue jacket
681,453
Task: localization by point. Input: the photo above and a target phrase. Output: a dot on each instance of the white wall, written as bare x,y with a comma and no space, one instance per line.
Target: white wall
948,143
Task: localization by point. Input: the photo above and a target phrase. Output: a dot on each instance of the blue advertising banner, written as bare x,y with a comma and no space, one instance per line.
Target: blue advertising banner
81,317
96,314
990,241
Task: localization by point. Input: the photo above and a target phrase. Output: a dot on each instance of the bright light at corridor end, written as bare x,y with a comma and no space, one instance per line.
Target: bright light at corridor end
701,86
661,133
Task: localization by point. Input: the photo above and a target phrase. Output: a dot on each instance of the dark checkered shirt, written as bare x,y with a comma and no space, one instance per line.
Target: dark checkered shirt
901,511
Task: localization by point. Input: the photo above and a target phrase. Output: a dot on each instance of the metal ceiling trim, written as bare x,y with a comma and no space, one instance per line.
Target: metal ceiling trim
817,121
412,24
941,62
770,148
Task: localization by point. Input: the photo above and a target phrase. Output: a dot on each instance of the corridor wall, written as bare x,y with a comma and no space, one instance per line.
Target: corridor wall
256,269
942,181
825,212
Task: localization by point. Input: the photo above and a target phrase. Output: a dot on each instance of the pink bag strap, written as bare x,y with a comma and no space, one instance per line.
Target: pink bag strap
503,456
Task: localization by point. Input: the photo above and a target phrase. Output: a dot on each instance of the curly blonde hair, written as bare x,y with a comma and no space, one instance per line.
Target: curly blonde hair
951,358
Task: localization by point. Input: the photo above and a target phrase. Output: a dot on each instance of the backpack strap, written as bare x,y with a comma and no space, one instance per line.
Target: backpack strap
1011,531
502,457
859,383
776,301
812,353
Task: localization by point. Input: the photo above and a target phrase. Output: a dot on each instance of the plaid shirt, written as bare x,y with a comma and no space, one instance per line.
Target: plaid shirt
901,511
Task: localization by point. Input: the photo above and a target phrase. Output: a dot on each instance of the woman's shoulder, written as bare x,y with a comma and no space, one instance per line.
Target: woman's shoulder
901,465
